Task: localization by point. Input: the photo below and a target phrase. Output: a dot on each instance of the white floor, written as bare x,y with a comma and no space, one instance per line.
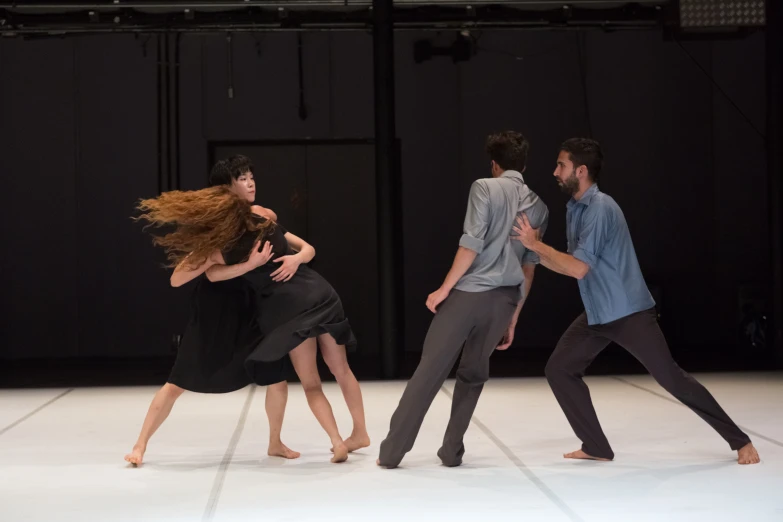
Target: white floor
61,458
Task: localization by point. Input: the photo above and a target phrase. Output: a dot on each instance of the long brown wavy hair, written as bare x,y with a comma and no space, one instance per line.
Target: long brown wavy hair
205,221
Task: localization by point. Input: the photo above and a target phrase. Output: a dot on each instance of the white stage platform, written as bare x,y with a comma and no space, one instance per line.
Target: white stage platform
61,458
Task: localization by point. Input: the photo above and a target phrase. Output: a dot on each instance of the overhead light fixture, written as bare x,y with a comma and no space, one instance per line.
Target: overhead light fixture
708,14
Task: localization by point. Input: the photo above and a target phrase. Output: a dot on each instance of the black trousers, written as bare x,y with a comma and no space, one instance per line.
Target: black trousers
640,334
472,324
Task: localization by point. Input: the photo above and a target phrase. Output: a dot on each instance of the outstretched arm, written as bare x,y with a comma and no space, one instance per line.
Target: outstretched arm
471,244
182,274
559,262
222,272
462,262
529,270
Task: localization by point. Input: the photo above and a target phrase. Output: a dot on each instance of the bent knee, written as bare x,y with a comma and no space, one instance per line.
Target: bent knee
553,366
312,387
472,376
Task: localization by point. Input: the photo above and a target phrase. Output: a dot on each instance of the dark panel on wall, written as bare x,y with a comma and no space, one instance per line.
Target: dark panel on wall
79,123
38,207
281,178
125,301
343,228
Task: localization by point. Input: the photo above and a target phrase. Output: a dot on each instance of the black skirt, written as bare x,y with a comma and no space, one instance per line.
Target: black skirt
289,313
220,336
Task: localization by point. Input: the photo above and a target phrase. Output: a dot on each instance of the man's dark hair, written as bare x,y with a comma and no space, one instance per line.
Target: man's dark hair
508,149
229,169
587,152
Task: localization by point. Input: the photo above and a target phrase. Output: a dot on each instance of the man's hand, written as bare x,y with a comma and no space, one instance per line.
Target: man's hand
527,235
260,257
288,267
508,338
436,298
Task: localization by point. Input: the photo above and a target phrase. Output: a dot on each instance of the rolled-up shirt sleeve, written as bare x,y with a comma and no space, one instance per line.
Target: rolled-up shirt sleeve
538,216
593,234
476,218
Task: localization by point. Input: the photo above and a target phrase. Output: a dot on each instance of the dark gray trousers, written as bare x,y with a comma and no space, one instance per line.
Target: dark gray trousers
476,321
640,334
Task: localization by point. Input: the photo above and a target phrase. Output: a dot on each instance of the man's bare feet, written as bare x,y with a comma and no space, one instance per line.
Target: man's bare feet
356,442
579,454
278,449
748,454
136,456
378,463
340,452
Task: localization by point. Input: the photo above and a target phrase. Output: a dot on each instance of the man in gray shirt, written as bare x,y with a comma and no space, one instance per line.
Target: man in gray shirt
477,307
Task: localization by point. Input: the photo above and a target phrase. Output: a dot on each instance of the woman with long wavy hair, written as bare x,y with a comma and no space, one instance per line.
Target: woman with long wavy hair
216,232
211,355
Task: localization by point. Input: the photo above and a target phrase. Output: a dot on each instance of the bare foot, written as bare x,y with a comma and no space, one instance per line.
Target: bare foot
378,463
137,455
748,454
340,453
356,442
579,454
278,449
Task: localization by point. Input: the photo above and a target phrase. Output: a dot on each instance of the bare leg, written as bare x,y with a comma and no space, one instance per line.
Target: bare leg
336,360
303,358
158,412
276,399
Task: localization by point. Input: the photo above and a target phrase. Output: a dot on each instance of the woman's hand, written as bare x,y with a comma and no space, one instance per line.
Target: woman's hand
288,267
259,257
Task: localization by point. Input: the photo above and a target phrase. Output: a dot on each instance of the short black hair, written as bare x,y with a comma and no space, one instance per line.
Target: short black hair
508,149
587,152
229,169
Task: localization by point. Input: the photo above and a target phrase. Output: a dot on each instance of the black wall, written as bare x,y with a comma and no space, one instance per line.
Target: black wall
79,145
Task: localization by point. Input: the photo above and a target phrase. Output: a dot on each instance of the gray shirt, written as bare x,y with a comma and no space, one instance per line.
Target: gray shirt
493,206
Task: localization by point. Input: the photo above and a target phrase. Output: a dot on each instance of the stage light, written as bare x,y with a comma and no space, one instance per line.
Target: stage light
722,13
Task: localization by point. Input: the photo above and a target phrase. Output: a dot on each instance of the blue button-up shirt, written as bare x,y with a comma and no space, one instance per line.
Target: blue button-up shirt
598,235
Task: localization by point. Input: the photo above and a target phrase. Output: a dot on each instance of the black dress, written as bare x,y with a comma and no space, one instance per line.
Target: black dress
287,313
218,339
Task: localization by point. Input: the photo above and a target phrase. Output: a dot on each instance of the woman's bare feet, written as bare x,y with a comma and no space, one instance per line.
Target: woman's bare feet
356,442
136,456
340,452
278,449
748,454
579,454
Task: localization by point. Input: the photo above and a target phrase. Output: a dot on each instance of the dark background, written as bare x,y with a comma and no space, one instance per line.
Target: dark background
84,296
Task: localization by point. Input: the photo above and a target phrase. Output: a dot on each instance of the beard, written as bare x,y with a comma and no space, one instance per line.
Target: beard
571,184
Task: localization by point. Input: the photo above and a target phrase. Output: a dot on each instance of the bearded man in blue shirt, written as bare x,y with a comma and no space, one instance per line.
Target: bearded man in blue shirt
618,308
